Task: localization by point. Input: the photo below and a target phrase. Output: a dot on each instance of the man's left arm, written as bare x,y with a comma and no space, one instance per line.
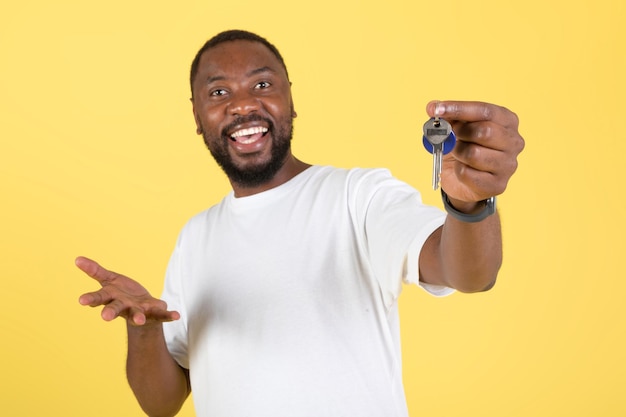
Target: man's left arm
461,254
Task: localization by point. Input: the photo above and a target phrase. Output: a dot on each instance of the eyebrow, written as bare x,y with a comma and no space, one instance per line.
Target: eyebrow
210,80
252,73
260,70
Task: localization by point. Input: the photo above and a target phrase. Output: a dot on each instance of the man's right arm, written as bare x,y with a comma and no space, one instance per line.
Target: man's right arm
159,383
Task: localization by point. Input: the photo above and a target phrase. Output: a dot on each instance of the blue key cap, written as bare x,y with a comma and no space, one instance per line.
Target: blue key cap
448,144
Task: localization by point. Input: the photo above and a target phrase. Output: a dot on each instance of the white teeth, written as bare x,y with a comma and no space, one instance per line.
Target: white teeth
249,131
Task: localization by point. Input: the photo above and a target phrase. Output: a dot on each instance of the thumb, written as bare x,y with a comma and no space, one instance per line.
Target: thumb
94,270
435,108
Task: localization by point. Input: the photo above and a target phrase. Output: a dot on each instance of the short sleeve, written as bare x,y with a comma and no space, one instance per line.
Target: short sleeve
396,225
176,331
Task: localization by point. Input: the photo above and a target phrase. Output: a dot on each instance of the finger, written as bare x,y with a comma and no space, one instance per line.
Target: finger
472,111
113,310
94,270
139,317
480,182
165,315
487,134
478,157
487,174
96,298
470,184
497,162
136,317
500,164
157,310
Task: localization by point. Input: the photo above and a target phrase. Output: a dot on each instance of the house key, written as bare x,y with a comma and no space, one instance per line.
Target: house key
439,139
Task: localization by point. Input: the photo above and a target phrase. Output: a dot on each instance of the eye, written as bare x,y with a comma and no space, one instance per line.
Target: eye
217,92
262,85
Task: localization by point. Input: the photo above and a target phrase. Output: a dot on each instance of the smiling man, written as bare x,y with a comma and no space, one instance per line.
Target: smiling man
243,107
281,300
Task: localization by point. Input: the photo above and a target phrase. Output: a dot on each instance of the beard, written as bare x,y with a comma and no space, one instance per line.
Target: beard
252,175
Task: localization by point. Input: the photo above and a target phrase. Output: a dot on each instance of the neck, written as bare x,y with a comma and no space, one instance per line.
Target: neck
290,169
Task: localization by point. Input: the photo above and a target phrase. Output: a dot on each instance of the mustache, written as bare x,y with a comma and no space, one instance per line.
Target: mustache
246,119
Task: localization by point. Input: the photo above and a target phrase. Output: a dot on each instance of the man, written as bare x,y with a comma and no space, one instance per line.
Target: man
282,299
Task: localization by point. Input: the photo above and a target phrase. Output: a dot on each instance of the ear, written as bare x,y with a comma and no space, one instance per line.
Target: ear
199,130
293,111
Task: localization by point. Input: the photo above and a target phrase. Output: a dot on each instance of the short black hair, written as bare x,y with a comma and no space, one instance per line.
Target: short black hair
227,36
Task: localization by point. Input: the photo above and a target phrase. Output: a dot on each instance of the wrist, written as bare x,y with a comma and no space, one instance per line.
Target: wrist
145,330
469,212
466,207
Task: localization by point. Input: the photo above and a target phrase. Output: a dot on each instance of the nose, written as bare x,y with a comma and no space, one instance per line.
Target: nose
242,104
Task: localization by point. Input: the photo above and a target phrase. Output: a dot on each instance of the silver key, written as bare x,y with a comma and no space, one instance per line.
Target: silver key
436,131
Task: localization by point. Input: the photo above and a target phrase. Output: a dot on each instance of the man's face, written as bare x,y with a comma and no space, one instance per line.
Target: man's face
243,108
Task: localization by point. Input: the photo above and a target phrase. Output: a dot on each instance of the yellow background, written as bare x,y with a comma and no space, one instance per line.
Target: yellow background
99,157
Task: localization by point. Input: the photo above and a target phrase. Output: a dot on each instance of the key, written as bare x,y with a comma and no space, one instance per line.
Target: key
439,139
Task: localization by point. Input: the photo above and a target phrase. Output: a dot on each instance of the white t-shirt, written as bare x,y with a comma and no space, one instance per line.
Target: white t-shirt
288,297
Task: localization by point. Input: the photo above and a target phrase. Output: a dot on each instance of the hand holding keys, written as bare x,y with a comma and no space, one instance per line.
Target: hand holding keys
438,139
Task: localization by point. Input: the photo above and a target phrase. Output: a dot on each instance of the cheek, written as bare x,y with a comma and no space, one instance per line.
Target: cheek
279,104
210,122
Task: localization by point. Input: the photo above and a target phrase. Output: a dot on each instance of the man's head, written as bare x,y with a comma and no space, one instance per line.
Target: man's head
243,108
232,35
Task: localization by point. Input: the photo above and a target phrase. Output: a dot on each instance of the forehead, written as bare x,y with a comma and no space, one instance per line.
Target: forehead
237,57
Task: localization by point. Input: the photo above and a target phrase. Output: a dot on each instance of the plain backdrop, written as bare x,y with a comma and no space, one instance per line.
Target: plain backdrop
99,157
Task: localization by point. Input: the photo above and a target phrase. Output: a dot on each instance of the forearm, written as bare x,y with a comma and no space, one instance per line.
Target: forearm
471,253
159,383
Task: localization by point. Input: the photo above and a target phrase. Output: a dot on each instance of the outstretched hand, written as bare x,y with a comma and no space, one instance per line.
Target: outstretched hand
485,155
123,297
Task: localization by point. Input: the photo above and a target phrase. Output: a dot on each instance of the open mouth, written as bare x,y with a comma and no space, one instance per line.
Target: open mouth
248,135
